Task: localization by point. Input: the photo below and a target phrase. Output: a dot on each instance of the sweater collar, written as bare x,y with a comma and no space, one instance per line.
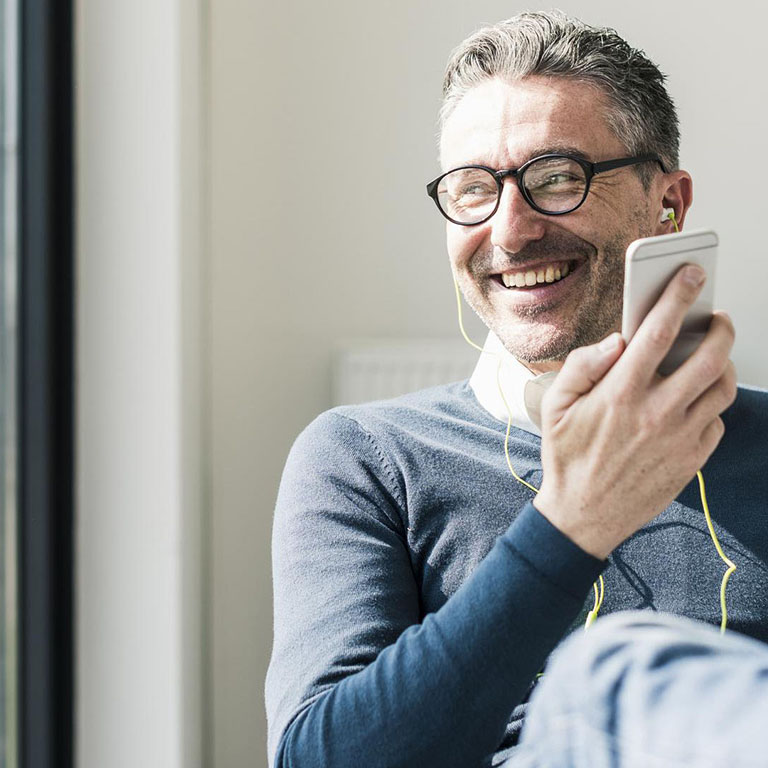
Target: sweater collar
522,388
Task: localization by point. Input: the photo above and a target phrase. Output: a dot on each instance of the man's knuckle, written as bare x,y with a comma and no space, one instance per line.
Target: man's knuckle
718,429
655,420
660,335
720,425
730,329
623,394
710,368
694,460
726,324
712,436
728,384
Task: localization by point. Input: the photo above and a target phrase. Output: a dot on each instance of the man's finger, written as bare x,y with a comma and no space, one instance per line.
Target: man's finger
582,369
717,397
705,366
658,331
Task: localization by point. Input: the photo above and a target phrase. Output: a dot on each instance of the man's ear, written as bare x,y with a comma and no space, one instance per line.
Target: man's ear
677,195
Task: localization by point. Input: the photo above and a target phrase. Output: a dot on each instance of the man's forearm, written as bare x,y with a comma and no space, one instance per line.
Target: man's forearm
443,693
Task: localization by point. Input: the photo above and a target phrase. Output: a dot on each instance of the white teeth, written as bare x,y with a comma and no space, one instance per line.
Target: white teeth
533,277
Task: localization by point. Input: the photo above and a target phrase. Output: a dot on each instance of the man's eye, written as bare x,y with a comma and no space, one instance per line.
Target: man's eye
556,178
477,189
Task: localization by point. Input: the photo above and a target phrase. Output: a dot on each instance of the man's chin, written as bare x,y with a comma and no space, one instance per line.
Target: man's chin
550,345
538,351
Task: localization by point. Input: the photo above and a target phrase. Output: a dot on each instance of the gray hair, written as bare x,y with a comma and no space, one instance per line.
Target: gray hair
640,111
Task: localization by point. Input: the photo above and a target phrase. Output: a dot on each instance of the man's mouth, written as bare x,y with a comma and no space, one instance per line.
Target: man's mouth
539,274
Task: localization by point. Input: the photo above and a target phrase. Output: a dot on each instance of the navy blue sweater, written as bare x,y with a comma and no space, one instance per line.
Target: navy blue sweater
418,592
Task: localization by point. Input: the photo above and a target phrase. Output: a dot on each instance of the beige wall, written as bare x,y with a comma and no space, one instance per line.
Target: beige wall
308,100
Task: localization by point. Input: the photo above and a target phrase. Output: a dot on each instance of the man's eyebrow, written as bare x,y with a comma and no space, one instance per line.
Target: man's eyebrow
556,149
544,149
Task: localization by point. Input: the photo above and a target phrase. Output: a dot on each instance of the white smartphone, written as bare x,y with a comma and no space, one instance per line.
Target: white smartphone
650,264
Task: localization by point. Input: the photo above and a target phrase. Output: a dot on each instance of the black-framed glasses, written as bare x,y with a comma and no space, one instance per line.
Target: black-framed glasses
553,184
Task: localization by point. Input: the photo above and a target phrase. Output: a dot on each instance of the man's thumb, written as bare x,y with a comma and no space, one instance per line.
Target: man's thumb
582,369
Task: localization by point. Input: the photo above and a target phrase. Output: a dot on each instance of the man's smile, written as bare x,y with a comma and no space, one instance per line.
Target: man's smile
541,273
544,284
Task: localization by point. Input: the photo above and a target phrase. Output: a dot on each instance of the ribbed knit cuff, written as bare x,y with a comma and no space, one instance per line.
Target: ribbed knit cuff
552,553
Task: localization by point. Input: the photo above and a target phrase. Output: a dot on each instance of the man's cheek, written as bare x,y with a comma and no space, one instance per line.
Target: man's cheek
463,243
454,243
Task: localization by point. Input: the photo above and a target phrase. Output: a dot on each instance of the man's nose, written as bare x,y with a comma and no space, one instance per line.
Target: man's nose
515,223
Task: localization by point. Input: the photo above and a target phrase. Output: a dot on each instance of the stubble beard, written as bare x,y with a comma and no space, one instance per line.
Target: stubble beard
528,336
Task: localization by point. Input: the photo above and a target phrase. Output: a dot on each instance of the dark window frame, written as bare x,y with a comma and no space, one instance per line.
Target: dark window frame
46,385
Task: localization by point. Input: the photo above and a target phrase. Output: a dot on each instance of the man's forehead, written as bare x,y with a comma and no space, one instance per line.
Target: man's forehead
505,123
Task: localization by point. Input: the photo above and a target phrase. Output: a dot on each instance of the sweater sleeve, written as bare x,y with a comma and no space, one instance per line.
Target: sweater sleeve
355,678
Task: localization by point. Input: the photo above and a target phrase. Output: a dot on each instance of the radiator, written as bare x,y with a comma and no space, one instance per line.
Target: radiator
377,369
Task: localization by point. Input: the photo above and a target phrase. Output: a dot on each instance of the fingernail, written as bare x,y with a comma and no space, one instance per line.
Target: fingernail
609,343
694,275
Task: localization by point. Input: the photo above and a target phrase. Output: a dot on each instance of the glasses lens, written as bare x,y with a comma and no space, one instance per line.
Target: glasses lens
555,184
468,195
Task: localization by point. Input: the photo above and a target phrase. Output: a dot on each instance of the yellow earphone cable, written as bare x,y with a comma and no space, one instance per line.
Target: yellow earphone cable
461,321
731,565
600,592
592,615
703,493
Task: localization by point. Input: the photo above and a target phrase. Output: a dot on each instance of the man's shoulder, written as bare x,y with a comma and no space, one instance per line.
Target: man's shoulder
426,412
385,433
452,398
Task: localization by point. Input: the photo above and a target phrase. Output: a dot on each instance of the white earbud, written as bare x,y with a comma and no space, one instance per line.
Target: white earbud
665,214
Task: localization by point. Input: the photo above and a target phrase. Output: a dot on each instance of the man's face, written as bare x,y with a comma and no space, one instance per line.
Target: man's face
502,125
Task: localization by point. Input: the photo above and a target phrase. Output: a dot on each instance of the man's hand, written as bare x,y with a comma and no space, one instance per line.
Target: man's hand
619,442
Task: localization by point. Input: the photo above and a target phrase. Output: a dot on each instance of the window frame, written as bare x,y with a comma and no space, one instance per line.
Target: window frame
46,384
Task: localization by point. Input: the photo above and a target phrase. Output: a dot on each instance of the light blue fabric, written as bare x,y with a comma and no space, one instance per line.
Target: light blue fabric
644,690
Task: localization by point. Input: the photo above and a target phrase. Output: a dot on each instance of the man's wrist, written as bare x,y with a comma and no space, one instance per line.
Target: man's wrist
551,553
594,539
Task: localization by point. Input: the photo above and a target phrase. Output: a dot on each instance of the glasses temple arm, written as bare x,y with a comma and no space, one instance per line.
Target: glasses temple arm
611,165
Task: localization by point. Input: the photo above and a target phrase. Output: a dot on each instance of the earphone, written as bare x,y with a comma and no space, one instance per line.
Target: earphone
599,586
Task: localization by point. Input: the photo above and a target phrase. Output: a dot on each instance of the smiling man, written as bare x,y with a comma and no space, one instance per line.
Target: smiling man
419,586
546,286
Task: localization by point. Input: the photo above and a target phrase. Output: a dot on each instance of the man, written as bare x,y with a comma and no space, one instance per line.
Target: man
419,587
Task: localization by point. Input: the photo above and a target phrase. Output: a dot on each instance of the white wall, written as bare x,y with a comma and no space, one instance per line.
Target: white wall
304,92
141,386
